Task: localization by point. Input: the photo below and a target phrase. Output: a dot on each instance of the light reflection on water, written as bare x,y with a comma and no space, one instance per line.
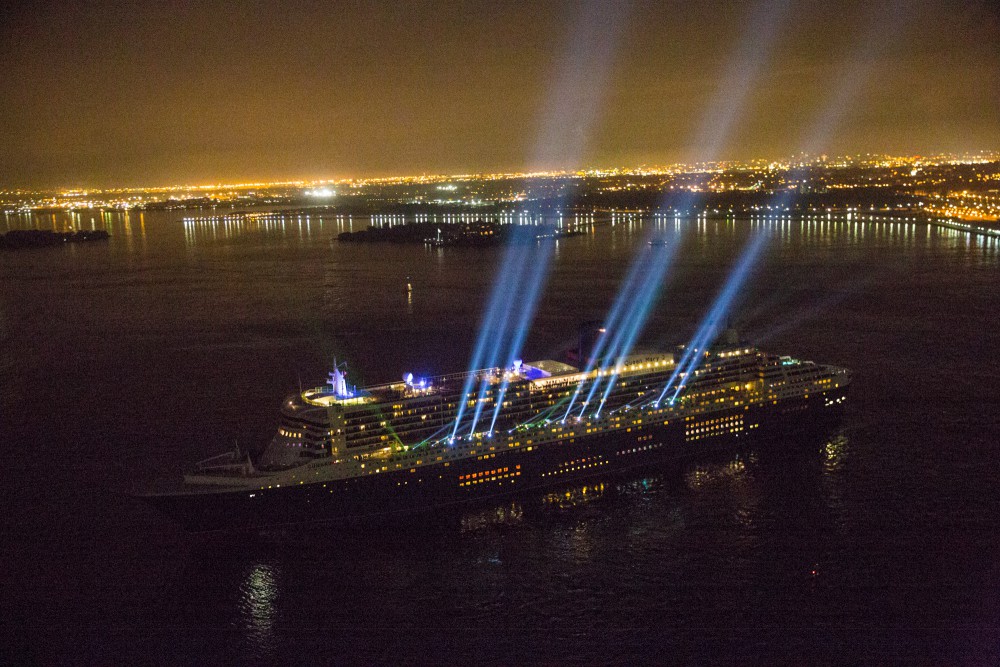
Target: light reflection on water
883,298
304,228
705,475
508,514
835,453
575,496
257,606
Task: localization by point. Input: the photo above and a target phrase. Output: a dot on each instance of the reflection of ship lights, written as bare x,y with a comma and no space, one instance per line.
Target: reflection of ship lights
258,595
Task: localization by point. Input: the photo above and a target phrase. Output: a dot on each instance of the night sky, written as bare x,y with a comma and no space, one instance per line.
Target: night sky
103,94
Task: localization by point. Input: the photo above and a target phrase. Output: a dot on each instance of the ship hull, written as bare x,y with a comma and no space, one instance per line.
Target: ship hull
785,427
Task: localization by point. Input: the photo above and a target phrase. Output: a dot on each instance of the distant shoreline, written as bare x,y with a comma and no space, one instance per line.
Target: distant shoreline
477,234
19,239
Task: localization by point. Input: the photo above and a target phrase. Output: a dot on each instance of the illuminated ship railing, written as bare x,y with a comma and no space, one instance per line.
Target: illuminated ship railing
650,362
435,381
324,396
451,383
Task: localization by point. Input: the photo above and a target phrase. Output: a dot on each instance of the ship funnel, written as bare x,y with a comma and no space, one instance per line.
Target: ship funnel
338,381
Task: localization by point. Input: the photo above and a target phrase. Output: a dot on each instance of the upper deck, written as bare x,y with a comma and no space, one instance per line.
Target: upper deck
544,374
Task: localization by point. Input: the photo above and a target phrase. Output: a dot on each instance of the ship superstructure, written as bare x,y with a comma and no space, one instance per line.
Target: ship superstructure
555,421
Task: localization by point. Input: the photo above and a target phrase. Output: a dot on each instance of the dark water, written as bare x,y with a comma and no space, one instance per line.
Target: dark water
124,362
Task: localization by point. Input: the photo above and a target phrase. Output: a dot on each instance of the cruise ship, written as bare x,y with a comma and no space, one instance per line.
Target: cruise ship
346,453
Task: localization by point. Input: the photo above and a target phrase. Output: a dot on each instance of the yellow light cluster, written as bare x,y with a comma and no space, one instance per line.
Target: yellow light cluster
494,475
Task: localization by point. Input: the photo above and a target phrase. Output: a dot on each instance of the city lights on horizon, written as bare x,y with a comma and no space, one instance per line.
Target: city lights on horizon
960,187
670,169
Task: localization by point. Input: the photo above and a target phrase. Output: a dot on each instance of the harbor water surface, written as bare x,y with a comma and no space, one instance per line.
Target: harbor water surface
125,361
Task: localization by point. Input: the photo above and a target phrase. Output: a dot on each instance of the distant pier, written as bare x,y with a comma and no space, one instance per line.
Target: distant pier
980,230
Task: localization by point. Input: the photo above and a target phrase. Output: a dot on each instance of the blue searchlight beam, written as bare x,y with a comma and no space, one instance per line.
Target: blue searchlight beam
533,280
502,316
611,321
627,336
708,329
654,263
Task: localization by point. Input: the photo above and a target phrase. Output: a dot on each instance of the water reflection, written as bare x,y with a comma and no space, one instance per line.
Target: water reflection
642,488
502,515
718,523
616,231
576,496
119,224
199,230
258,595
705,475
835,452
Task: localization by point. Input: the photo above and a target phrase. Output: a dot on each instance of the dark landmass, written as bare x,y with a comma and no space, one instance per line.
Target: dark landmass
43,238
476,234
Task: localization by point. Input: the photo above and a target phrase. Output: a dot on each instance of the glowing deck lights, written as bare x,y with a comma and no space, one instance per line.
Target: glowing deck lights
597,28
751,54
